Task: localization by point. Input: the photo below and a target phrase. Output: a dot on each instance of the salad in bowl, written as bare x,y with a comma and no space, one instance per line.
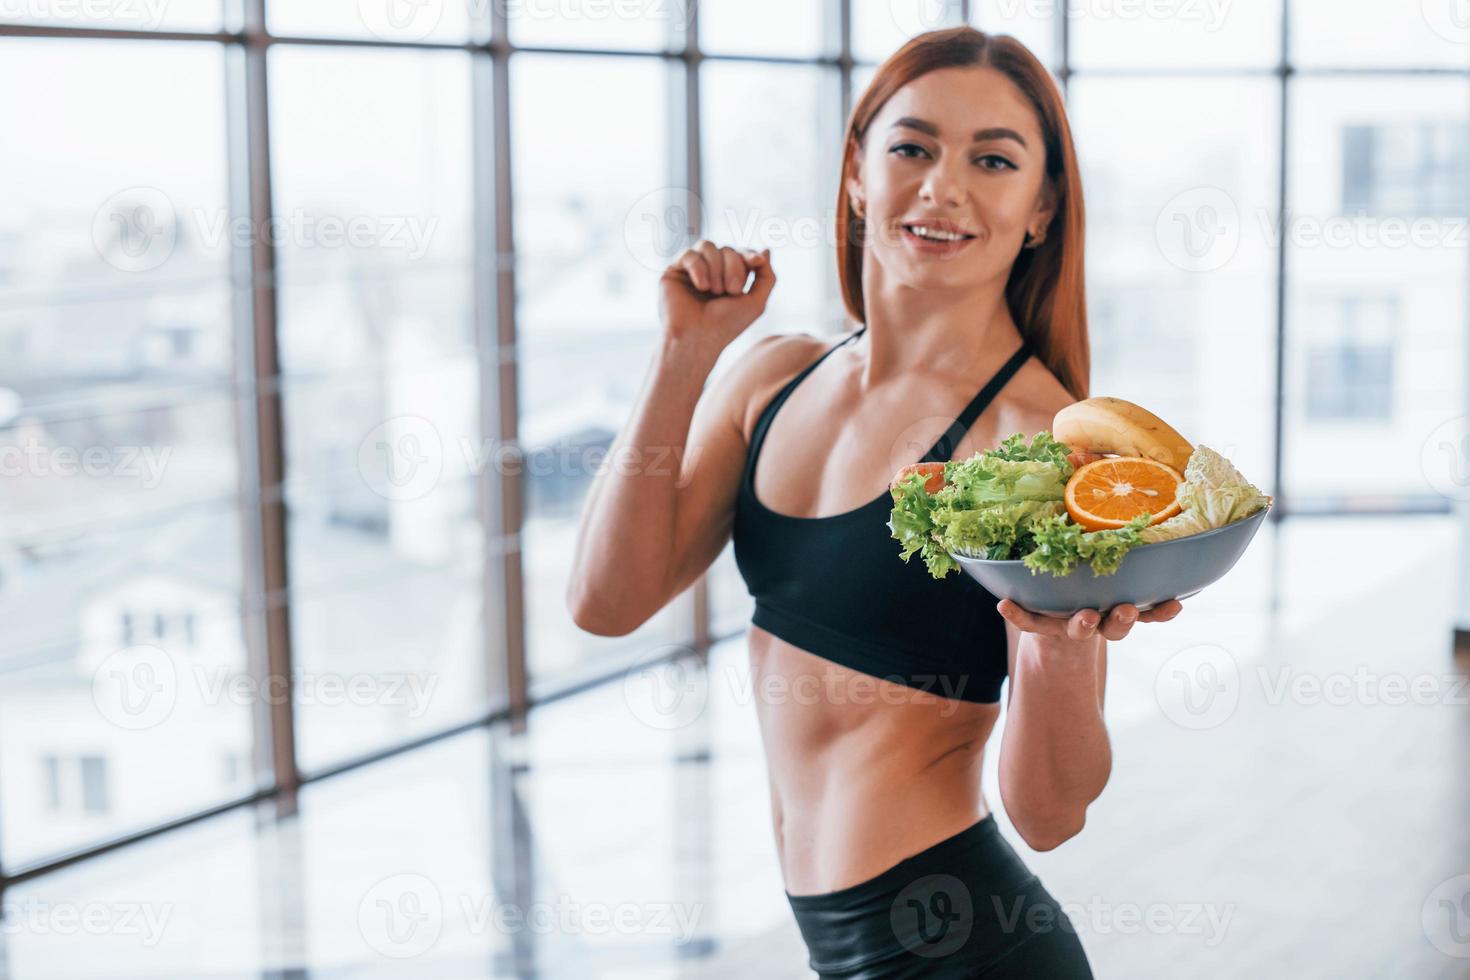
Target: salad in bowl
1111,505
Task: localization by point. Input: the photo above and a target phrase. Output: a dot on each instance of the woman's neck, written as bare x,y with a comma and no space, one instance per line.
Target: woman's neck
911,330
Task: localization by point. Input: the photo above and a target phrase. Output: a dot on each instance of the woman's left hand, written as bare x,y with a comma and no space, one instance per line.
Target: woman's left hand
1088,623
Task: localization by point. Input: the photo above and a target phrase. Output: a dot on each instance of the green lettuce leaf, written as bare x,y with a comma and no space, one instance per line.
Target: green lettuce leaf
992,531
912,523
1060,545
988,506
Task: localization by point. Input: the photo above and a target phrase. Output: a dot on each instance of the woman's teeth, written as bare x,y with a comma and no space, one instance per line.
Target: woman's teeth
935,234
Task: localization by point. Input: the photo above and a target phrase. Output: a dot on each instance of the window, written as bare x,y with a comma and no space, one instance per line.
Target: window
879,29
1426,34
744,27
646,25
1350,373
588,315
175,15
94,784
1167,35
75,788
1375,289
1406,169
380,394
383,20
129,586
128,506
1180,278
756,198
51,776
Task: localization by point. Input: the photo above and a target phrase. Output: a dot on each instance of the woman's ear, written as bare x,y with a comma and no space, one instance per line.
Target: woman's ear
854,180
1046,207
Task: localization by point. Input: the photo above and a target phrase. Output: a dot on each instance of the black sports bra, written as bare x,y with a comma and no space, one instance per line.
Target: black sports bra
836,587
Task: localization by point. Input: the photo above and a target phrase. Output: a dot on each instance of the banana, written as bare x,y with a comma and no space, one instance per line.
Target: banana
1112,425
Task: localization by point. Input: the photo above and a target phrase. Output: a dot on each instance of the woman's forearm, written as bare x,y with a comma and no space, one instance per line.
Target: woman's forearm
1055,757
625,538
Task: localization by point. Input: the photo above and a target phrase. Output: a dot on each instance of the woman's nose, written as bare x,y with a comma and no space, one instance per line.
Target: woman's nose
941,187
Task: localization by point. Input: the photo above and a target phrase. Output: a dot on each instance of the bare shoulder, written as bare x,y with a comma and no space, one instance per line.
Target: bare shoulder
1035,397
756,375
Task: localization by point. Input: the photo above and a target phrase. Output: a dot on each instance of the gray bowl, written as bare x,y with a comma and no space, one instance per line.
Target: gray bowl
1147,575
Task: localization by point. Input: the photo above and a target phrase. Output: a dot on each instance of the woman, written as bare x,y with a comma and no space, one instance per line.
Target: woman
960,234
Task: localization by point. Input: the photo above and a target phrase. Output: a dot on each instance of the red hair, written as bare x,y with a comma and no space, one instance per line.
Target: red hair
1045,291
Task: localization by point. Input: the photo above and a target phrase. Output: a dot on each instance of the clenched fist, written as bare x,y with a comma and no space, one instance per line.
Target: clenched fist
704,295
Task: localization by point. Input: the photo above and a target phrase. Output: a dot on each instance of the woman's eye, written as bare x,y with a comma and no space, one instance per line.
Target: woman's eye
1004,163
906,146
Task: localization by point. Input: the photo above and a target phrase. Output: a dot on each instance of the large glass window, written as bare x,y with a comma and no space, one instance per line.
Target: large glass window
879,29
1376,293
592,148
639,25
1180,183
131,553
1033,24
772,182
374,201
382,20
745,27
126,15
1370,33
120,556
1106,34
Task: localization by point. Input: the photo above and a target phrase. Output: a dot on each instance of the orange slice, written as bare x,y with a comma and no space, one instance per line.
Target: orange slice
1108,493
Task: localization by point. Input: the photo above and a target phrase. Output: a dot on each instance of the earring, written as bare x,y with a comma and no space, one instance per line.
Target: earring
1032,240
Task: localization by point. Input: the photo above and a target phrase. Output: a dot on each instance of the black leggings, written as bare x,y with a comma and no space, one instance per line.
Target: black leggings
965,907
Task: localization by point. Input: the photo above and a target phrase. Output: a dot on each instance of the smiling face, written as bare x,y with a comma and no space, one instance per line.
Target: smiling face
957,150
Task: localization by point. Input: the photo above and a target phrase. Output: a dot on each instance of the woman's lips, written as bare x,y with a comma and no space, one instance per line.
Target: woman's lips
929,246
